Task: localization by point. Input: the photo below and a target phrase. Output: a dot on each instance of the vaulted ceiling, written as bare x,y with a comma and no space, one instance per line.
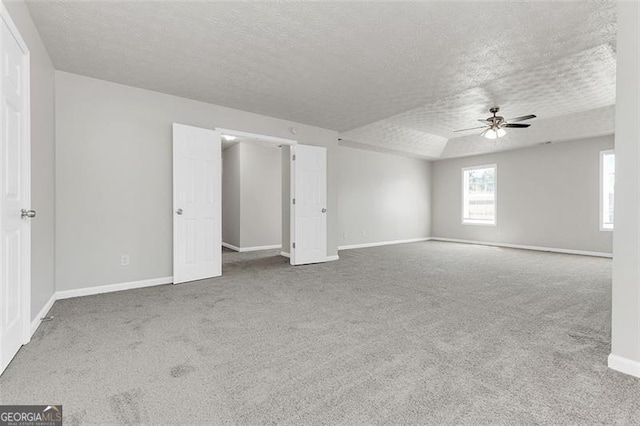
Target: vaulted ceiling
388,75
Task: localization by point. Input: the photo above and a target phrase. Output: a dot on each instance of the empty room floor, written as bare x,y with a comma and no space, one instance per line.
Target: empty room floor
428,332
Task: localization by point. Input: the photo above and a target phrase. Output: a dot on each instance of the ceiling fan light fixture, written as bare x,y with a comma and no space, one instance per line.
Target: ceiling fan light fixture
494,133
491,134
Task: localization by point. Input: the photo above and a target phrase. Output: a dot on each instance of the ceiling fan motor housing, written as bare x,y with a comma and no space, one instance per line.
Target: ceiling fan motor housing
496,120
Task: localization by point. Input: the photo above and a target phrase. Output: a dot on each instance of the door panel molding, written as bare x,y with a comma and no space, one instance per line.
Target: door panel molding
197,201
308,204
15,191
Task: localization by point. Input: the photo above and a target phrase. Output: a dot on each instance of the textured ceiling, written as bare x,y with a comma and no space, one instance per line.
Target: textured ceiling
584,124
422,68
577,86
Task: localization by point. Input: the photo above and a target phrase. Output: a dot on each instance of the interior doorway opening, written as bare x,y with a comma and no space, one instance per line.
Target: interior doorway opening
255,193
197,200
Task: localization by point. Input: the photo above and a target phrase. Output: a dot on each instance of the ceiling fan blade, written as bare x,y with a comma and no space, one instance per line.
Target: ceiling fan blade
485,121
472,128
517,126
524,117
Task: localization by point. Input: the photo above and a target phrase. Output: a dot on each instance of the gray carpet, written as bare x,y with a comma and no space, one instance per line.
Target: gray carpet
429,333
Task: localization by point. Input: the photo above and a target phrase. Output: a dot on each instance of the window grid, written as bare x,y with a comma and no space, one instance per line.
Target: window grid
479,195
607,182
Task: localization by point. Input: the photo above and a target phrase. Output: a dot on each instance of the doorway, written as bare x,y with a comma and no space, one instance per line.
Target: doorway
197,195
252,194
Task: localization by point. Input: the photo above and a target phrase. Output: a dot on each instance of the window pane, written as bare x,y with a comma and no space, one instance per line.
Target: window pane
608,180
479,195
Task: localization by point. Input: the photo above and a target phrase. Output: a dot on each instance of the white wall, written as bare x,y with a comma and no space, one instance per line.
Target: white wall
231,189
42,159
261,202
625,323
548,196
113,176
252,185
382,197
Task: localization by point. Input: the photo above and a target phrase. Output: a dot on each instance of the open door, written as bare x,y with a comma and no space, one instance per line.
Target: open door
15,229
197,228
309,204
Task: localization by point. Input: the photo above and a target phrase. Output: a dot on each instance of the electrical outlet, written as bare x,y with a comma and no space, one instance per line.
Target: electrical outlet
344,234
364,234
124,260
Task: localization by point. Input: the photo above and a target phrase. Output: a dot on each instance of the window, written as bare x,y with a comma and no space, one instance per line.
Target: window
479,195
607,180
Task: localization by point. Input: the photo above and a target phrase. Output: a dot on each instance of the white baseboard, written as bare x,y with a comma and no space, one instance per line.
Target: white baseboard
88,291
523,247
43,313
624,365
256,248
329,258
382,243
230,247
482,243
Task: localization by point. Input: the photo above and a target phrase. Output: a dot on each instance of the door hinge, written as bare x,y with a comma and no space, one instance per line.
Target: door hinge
294,157
294,245
294,201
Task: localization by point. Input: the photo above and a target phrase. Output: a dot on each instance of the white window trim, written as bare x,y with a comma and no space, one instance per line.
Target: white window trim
601,204
477,222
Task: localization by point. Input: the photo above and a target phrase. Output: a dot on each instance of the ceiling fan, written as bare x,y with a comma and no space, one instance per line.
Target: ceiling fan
494,126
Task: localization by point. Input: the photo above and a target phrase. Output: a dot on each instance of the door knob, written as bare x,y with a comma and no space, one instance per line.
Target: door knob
24,214
179,212
324,210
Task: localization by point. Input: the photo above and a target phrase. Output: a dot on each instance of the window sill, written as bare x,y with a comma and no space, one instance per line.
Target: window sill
476,223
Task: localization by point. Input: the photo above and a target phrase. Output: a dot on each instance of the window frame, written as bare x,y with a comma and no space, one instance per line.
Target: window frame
602,226
480,222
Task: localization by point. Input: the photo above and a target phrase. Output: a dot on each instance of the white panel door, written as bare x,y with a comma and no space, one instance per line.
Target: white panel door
309,204
15,237
197,226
